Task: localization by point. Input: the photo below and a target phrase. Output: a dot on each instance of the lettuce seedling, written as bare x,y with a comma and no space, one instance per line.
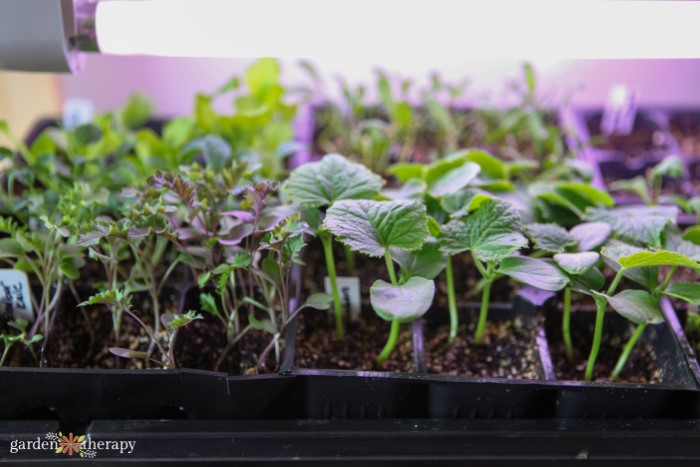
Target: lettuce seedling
319,185
492,234
376,228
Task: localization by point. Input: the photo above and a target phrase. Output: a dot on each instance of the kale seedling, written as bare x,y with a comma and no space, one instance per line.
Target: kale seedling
172,322
493,235
375,228
320,184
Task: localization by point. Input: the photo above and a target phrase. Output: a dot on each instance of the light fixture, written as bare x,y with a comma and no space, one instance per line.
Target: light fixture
50,34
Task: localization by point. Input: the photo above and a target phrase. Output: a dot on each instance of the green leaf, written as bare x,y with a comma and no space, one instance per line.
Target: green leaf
319,301
576,263
208,304
637,306
671,166
591,235
87,134
215,151
690,292
549,237
535,272
615,249
413,189
127,353
462,203
406,302
452,180
69,268
674,242
10,248
490,164
591,280
636,185
636,223
692,234
174,321
262,325
108,297
372,226
656,258
406,171
262,76
427,262
491,233
331,179
137,112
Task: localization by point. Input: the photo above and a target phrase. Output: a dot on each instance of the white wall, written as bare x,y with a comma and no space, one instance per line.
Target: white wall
172,82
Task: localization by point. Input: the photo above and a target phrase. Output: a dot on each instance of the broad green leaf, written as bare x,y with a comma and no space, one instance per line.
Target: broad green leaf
427,262
372,226
636,223
637,306
10,248
656,258
137,112
492,232
615,249
692,234
262,76
215,151
87,134
406,171
331,179
674,242
319,301
490,164
406,302
535,272
577,263
549,237
690,292
413,189
591,235
462,203
584,194
453,180
591,280
433,227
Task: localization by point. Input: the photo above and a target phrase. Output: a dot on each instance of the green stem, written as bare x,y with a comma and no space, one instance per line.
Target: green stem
666,281
616,281
327,240
451,300
350,260
390,266
390,344
4,354
622,361
597,337
566,325
483,313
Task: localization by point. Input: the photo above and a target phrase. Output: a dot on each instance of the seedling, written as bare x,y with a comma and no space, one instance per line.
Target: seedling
375,228
649,187
321,184
171,322
21,337
492,234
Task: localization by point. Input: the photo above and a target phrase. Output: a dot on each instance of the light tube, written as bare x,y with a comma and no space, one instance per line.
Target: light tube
424,29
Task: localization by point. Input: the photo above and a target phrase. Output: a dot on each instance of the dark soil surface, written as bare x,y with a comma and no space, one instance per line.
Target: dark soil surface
644,138
319,348
508,350
616,331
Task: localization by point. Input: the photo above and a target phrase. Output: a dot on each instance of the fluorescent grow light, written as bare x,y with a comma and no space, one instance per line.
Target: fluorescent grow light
492,29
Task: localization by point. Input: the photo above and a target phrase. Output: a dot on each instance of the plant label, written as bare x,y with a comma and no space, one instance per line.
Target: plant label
76,112
620,111
15,301
349,288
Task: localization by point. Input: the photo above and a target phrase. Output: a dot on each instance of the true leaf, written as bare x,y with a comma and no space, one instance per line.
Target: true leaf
491,232
690,292
637,306
427,262
549,237
576,263
331,179
535,272
372,226
591,235
656,258
636,223
319,301
590,280
646,276
406,302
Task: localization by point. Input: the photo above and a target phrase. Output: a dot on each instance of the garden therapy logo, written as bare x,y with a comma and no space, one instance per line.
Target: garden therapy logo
71,445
